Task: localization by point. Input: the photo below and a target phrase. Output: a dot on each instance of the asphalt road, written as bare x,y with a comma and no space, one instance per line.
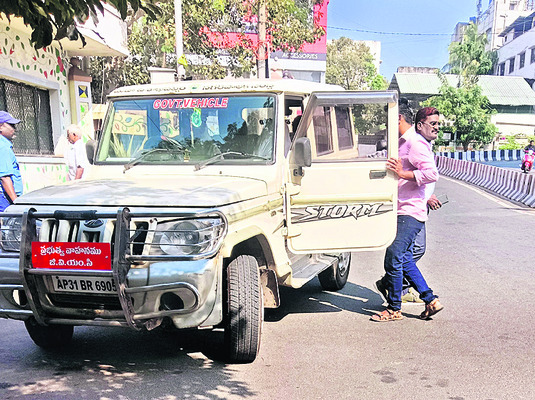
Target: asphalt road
321,345
516,165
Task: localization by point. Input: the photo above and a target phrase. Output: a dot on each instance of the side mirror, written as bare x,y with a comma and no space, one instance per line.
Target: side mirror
303,152
91,148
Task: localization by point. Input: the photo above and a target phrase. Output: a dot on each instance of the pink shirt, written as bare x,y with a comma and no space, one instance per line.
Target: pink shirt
416,155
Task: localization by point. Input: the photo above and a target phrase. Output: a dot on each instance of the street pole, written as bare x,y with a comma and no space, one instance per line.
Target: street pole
261,63
181,72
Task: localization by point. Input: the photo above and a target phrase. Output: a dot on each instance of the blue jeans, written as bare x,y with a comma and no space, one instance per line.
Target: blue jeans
418,252
399,263
4,202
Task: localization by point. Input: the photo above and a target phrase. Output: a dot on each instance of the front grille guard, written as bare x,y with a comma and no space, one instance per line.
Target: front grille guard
121,262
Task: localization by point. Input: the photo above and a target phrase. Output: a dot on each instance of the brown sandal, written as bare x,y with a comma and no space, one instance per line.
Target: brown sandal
387,315
431,309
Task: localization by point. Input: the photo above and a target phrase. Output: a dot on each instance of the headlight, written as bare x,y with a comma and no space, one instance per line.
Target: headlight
11,232
187,237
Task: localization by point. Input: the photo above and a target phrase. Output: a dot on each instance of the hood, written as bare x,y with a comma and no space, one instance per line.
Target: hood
163,191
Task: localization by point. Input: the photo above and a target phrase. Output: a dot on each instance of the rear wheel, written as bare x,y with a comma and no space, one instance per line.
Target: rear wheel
243,319
335,277
49,337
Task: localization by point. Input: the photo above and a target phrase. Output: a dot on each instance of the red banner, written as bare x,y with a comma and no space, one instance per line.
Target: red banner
73,255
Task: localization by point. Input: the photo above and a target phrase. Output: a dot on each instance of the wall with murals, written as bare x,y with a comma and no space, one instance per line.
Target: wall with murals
32,66
36,174
49,63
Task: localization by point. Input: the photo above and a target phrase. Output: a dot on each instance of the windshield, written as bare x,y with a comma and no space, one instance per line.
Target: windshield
178,130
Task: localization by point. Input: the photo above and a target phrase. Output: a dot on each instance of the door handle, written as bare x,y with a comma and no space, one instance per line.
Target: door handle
375,174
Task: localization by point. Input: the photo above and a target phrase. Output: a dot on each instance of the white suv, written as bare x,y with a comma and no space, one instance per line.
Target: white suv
203,198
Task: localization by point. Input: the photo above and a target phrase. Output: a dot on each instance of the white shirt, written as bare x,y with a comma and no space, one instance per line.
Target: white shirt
77,157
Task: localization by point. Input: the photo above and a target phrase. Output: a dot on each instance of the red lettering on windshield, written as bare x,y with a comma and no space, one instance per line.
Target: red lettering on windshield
206,102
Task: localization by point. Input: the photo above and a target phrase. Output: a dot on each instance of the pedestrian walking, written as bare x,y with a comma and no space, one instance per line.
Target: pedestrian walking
10,177
426,124
77,155
415,168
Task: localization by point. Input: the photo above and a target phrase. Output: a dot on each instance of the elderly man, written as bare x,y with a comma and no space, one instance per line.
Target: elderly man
415,168
10,177
77,155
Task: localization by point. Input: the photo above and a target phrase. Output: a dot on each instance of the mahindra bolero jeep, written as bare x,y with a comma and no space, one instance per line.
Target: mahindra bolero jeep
202,199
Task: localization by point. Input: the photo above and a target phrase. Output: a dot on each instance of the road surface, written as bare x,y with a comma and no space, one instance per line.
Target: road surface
321,345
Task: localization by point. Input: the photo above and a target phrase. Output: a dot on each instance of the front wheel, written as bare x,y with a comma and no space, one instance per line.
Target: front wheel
49,337
335,277
243,319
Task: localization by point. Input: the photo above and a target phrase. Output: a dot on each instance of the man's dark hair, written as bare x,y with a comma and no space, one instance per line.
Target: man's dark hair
405,110
425,112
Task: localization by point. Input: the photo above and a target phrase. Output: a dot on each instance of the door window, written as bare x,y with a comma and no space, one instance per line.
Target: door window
322,130
343,123
349,132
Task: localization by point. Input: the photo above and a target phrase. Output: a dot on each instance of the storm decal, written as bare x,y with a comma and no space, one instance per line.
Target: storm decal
319,213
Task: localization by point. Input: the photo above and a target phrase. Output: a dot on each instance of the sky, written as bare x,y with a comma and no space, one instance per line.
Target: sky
349,17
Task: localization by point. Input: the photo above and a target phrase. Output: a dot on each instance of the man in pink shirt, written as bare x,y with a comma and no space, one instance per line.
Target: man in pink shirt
415,169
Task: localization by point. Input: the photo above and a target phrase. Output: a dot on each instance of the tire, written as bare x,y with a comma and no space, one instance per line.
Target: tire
335,277
49,337
244,311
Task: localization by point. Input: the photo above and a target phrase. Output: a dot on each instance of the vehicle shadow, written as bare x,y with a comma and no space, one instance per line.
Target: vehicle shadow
311,298
114,363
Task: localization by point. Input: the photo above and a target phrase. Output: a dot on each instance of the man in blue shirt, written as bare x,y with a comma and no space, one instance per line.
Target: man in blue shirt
10,178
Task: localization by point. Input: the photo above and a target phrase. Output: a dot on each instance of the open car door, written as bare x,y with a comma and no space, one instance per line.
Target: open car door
339,195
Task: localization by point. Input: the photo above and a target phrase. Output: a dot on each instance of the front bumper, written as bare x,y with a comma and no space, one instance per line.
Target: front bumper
149,288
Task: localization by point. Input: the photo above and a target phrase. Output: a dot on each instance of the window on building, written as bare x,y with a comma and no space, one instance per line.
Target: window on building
532,60
522,60
32,106
501,69
511,64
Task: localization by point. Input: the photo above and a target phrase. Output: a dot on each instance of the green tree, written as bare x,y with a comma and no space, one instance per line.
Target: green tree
511,144
151,43
468,110
464,105
350,65
469,58
151,39
206,24
55,20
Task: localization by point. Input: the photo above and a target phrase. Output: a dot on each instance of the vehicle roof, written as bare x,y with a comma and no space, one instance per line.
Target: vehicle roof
225,86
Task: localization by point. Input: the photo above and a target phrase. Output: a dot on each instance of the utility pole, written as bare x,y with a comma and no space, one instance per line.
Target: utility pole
180,70
262,61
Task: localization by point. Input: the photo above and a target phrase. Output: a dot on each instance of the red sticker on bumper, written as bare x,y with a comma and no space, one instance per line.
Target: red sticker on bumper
75,255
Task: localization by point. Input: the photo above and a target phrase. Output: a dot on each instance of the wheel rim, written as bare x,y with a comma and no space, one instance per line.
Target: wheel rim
343,263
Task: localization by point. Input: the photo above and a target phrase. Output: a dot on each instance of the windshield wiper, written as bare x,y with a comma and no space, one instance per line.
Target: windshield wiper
221,157
170,144
140,158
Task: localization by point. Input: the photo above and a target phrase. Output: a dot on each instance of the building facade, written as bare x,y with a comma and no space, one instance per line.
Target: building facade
517,55
496,15
42,89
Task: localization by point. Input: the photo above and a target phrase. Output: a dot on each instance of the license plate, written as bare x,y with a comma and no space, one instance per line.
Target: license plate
84,284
